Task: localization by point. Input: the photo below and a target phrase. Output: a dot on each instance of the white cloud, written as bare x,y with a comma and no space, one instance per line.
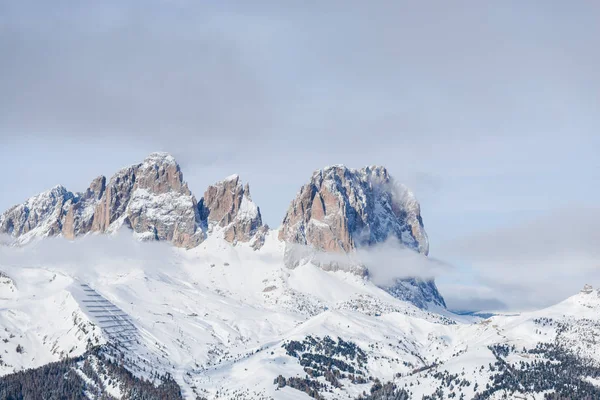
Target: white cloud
109,255
384,262
534,263
462,297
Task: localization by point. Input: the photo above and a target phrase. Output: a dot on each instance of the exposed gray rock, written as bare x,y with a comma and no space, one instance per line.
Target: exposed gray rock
116,197
79,217
342,210
151,198
587,289
40,216
420,292
228,204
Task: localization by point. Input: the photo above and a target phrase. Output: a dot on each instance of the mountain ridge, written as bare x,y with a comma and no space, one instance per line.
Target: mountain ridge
151,198
340,210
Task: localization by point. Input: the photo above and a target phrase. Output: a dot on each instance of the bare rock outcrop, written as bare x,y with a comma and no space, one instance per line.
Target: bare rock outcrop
342,210
228,205
79,216
39,216
151,198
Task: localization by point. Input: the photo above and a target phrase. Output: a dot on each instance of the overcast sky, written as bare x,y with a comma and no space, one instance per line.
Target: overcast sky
489,111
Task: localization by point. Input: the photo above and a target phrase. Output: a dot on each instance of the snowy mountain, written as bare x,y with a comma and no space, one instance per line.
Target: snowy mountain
339,211
150,198
343,210
225,313
228,204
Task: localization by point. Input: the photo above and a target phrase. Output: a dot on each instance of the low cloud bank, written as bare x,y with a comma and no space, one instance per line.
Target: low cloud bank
391,260
93,254
384,262
529,265
532,264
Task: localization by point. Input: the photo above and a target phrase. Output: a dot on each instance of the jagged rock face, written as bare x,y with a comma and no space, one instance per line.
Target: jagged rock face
587,289
151,198
160,174
115,200
342,210
80,215
228,204
39,216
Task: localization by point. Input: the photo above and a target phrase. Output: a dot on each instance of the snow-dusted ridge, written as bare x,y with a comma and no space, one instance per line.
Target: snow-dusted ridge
150,198
340,210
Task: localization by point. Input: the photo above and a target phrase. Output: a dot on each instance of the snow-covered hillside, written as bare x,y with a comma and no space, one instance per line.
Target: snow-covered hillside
203,301
231,322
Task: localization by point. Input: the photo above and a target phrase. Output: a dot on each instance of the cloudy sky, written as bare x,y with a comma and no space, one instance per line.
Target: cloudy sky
489,111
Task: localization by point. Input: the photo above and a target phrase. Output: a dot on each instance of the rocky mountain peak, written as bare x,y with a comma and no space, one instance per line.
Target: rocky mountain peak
587,289
587,297
373,173
38,216
227,204
151,198
96,189
341,210
158,158
160,173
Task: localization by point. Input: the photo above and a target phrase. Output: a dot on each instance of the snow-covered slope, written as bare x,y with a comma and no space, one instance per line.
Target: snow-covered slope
232,322
40,319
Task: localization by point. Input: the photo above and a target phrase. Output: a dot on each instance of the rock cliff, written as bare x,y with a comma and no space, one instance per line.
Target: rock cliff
150,198
341,210
153,200
228,204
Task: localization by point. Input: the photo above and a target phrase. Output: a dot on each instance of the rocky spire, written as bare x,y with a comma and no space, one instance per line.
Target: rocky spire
151,198
227,204
79,216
